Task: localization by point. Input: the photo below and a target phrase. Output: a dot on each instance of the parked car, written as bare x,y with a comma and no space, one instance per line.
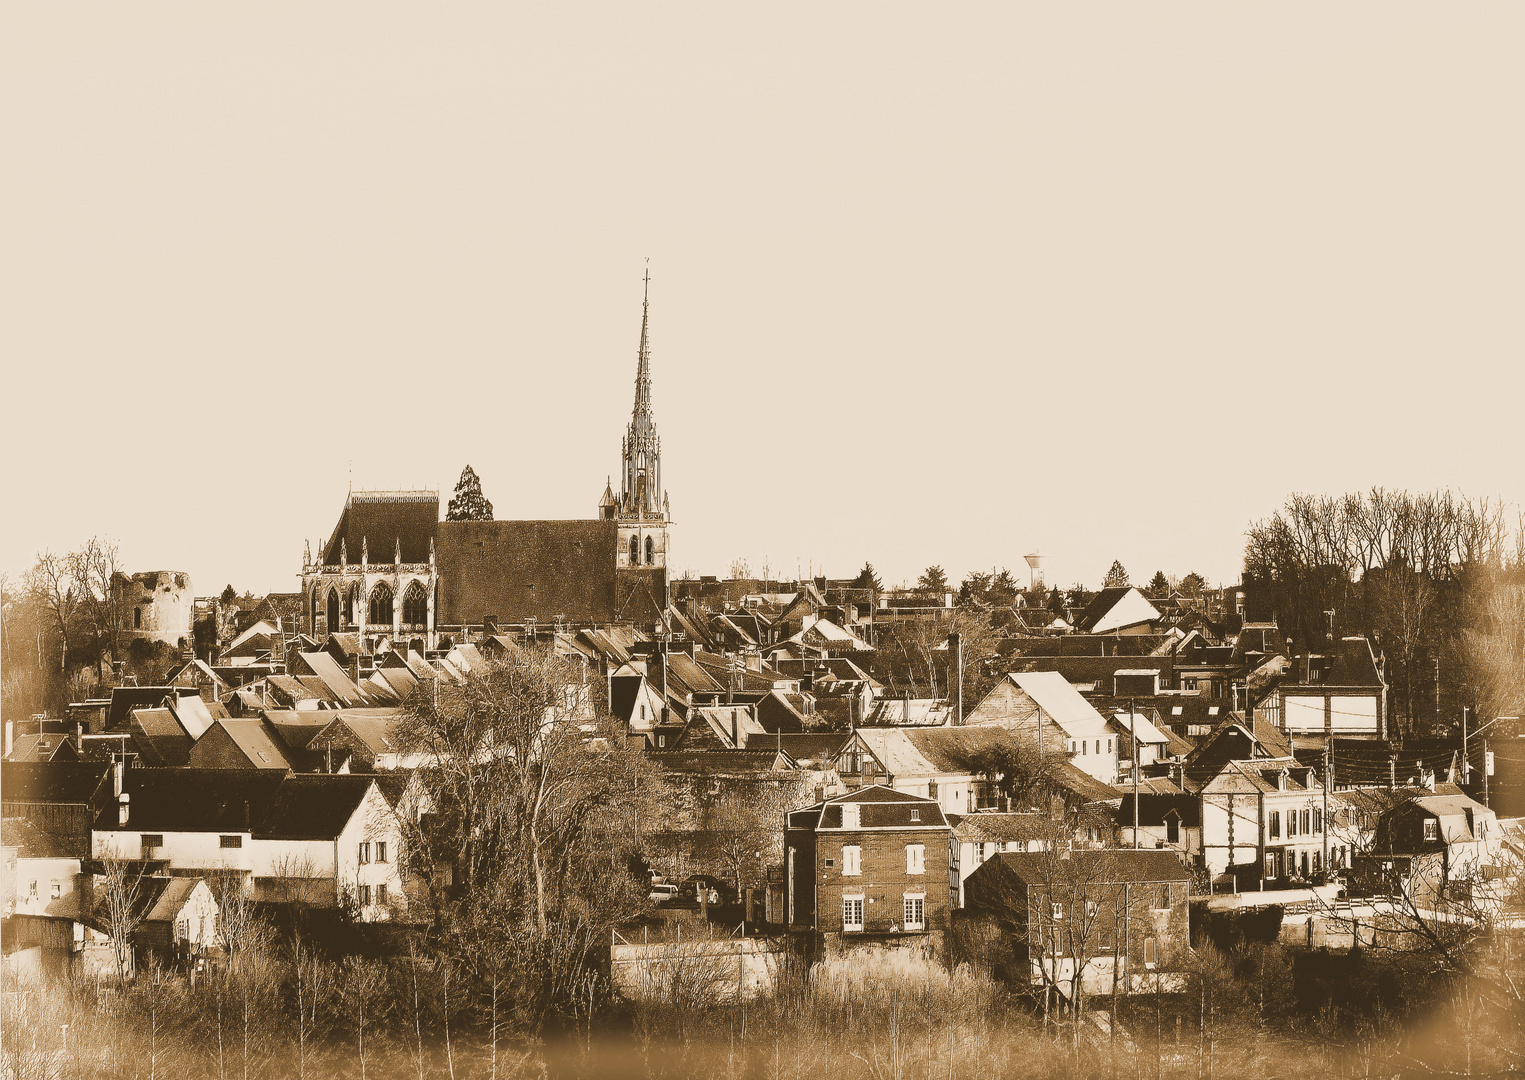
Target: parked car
661,893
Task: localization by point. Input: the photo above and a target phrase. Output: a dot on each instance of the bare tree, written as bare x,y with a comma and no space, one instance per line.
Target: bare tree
120,892
94,570
54,591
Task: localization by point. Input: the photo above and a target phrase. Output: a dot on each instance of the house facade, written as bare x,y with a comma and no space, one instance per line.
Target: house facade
872,865
1264,820
1086,920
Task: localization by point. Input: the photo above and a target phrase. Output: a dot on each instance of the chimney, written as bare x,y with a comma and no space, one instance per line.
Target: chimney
10,738
79,735
118,767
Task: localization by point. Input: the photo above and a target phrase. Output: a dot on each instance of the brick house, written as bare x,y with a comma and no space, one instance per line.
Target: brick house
1103,917
874,864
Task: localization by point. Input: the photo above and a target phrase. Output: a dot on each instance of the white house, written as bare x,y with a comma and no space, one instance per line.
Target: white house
325,840
1043,705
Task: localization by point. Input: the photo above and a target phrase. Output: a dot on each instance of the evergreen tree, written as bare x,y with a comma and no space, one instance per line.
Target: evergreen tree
468,503
228,595
1159,585
933,580
1056,601
868,579
1117,577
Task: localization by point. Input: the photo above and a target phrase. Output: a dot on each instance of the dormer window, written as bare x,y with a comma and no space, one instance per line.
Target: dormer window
915,815
1431,829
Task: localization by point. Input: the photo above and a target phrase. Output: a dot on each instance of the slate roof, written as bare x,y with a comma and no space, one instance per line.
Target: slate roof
51,781
160,738
314,807
379,519
126,698
267,804
1152,809
880,807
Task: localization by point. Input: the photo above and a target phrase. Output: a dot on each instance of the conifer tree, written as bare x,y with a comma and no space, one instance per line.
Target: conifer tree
1117,577
468,503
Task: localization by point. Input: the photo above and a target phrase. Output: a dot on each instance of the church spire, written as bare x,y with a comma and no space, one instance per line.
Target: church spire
641,472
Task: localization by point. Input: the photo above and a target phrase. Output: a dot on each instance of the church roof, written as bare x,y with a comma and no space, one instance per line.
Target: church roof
516,570
378,520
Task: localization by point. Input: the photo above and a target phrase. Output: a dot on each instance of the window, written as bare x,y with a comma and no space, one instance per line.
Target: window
661,740
1275,824
381,894
381,605
1307,822
1092,907
915,859
1318,821
635,551
56,891
1056,911
830,863
230,841
32,892
1431,829
1149,951
1098,746
852,913
331,610
1083,745
915,913
1291,823
153,839
183,930
1162,902
365,853
137,618
415,605
651,551
852,860
1173,830
1109,746
915,815
381,851
365,896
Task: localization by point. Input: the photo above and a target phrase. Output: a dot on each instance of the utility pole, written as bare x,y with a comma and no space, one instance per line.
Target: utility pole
1133,738
1328,777
1437,689
1466,766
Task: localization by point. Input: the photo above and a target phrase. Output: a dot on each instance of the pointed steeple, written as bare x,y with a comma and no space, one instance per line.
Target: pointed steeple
641,451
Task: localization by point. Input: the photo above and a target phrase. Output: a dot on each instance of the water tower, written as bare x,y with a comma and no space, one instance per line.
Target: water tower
1035,570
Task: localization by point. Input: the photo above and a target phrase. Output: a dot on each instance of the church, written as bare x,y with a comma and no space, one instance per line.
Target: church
395,574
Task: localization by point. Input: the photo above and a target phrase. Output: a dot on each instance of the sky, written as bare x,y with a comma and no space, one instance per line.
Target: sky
929,283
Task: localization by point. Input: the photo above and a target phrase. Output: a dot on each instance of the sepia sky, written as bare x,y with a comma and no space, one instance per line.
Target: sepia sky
930,283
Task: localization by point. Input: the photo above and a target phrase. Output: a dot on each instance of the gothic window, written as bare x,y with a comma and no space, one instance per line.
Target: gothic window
381,605
635,551
651,549
349,604
137,618
333,610
415,605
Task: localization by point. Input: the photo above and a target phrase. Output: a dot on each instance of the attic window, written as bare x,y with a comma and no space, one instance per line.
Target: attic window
263,756
1212,710
1175,710
915,815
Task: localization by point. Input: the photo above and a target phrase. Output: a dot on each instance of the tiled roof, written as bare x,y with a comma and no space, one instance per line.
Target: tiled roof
378,520
1002,828
1111,864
